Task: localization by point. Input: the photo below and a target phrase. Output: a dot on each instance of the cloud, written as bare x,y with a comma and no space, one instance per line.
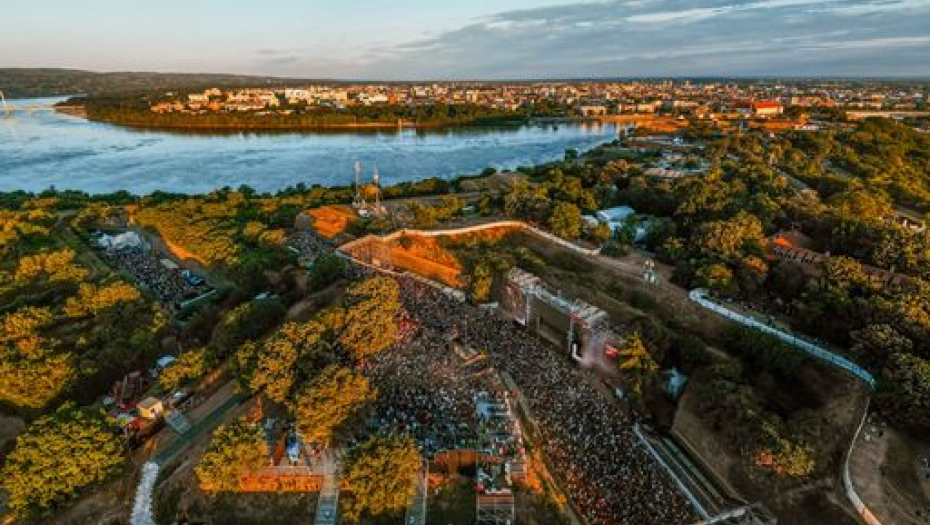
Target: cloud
672,37
704,13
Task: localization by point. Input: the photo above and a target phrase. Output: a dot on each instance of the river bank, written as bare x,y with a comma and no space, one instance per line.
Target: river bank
236,127
44,149
400,124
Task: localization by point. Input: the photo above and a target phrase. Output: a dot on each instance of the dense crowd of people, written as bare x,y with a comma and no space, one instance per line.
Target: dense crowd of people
150,273
424,393
308,245
498,436
609,475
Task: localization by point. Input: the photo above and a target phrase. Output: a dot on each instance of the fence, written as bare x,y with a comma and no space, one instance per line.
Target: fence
515,225
700,296
682,488
848,487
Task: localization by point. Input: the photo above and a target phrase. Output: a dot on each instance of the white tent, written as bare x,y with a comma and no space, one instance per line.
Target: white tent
120,241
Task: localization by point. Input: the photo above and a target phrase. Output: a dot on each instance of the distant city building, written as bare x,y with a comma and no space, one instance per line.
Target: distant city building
593,110
767,109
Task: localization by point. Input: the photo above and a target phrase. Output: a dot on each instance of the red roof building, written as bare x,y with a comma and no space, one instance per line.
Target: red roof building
768,108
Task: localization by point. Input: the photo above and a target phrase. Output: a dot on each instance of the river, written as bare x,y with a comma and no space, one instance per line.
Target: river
46,149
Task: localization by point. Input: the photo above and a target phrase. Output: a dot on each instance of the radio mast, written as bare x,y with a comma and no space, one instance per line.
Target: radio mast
374,179
359,201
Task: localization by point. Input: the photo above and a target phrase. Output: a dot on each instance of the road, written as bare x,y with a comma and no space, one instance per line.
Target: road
164,456
142,509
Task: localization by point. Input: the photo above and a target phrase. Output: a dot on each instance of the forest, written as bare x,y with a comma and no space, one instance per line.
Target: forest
134,110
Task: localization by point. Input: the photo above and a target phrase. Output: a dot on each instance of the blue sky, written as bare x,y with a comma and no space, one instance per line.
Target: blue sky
453,39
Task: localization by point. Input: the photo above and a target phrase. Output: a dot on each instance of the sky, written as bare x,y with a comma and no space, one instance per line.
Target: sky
472,39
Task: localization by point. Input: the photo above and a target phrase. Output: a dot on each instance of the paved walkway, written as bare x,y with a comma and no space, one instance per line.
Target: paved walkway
416,511
328,505
700,296
142,505
886,494
202,425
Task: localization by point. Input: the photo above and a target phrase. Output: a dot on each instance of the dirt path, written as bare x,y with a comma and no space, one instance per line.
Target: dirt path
885,471
10,427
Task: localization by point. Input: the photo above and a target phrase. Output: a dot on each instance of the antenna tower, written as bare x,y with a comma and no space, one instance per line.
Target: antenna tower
359,200
374,179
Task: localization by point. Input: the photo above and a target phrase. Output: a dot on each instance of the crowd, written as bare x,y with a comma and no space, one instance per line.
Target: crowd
424,393
149,273
498,436
610,477
308,245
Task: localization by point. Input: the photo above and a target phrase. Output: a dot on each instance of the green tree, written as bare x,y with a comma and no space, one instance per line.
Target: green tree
599,234
57,456
566,221
49,268
235,449
92,299
877,342
329,401
370,316
326,270
482,280
380,473
730,239
526,202
635,360
33,369
904,396
862,203
784,456
715,276
187,367
272,365
248,321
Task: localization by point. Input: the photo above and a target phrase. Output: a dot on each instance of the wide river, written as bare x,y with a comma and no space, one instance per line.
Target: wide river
45,149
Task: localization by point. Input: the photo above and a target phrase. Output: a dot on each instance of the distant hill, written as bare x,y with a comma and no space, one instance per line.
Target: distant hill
23,83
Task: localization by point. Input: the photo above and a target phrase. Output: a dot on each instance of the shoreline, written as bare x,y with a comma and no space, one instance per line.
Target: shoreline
348,127
73,111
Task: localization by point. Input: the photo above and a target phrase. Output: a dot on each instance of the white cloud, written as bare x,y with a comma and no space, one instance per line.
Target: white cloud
662,38
704,13
873,43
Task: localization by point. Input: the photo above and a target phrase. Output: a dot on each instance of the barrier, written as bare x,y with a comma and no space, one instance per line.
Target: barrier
644,441
848,487
515,225
699,296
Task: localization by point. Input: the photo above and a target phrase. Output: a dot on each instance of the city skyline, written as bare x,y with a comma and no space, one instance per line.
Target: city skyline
482,40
